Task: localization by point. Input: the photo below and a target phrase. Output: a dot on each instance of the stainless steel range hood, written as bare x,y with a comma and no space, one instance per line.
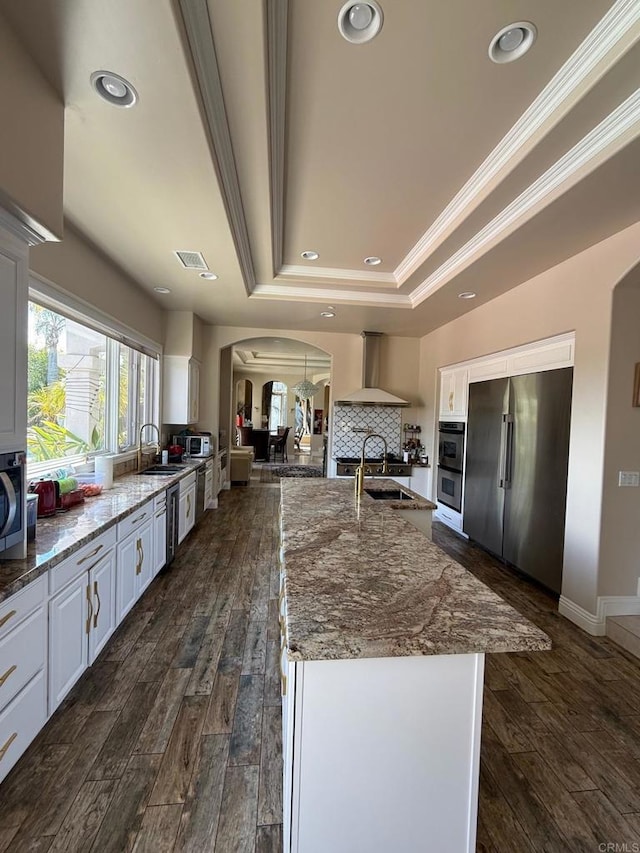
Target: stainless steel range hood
370,394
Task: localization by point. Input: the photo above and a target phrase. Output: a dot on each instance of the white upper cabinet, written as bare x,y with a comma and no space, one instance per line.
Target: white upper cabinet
181,391
13,342
454,385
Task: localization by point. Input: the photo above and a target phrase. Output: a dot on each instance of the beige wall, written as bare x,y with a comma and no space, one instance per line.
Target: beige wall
32,136
77,267
399,363
575,295
620,546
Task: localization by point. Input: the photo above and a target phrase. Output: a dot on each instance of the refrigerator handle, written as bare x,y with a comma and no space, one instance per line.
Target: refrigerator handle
502,472
508,456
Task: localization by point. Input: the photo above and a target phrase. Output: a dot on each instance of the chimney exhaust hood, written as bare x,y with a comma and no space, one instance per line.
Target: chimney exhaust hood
370,394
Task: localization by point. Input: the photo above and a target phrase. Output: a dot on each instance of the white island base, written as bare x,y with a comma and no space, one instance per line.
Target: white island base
382,755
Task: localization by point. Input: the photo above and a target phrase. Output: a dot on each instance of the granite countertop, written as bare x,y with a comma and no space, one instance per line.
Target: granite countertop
361,582
383,484
60,535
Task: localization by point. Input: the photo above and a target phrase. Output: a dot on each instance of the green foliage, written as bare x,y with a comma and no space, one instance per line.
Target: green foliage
46,404
37,368
49,440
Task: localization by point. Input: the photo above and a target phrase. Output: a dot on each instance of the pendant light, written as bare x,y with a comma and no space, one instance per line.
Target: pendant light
305,389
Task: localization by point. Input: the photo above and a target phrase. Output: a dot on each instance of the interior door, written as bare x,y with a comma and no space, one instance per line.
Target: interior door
483,495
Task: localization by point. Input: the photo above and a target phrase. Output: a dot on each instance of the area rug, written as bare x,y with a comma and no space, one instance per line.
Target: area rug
274,473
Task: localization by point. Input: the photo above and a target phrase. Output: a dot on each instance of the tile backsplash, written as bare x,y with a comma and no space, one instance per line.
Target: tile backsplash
385,420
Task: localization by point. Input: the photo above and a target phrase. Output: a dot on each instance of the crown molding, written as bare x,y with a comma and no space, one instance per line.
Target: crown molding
612,36
299,271
199,33
277,13
318,294
601,143
22,226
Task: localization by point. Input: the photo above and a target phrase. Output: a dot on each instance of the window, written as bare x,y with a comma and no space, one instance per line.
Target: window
278,408
87,392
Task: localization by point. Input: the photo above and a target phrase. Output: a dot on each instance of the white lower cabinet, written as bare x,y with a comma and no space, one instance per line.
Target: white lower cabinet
187,506
82,616
135,558
23,667
382,754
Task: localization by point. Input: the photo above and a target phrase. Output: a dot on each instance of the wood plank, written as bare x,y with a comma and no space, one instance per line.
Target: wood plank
270,789
114,755
21,844
269,839
187,653
159,829
83,819
237,826
272,687
204,671
564,765
123,820
125,678
179,759
201,812
157,729
222,704
605,820
255,650
56,798
498,820
233,646
164,652
23,787
6,836
246,734
506,729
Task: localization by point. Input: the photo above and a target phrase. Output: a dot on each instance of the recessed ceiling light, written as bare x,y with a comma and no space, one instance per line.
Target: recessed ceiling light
210,276
372,261
162,290
467,294
327,314
360,22
310,256
114,89
512,42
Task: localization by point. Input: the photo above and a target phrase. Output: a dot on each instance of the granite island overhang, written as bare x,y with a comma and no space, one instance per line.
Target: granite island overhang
383,643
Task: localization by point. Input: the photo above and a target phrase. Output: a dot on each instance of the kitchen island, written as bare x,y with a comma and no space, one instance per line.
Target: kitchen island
383,643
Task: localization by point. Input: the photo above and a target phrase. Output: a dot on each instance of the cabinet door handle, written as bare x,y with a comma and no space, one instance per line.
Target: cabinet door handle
6,618
7,744
89,556
90,603
188,505
450,401
9,672
139,518
97,595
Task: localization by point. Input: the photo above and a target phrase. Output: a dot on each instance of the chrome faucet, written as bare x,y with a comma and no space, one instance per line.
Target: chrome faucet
142,429
363,468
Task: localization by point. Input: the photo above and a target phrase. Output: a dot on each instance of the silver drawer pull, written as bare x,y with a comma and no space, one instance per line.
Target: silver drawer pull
89,556
7,744
9,672
139,518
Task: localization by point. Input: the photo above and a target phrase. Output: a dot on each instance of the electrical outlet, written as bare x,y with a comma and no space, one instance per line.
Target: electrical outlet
629,478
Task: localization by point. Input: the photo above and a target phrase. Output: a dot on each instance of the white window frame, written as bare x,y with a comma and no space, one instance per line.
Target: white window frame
44,293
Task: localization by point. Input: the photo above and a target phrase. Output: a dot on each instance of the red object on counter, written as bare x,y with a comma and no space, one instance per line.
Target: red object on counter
175,451
75,496
48,494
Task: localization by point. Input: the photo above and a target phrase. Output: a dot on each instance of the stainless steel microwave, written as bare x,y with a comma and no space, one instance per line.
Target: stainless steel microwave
195,445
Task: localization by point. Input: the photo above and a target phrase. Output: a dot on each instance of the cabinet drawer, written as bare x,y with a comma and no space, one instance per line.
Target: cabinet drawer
160,502
134,520
81,560
21,721
16,607
22,654
187,482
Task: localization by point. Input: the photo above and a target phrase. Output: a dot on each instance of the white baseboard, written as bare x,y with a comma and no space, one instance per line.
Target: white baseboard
607,605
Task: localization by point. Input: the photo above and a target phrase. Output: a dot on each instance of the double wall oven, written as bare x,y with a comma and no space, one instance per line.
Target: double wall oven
450,463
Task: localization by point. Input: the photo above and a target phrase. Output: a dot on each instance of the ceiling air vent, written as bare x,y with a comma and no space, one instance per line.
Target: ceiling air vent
192,260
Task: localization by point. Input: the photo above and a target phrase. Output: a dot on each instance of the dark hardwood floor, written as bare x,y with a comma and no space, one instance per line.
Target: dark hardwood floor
171,741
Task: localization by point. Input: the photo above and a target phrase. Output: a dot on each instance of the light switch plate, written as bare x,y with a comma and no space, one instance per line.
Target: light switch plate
629,478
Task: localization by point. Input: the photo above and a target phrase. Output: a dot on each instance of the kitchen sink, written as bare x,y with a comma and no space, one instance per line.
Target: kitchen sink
163,470
388,495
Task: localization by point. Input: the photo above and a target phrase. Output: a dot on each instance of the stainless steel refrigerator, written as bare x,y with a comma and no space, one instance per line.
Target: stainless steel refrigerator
516,470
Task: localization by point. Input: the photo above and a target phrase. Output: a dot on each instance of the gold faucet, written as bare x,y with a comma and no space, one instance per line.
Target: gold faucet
363,468
142,429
